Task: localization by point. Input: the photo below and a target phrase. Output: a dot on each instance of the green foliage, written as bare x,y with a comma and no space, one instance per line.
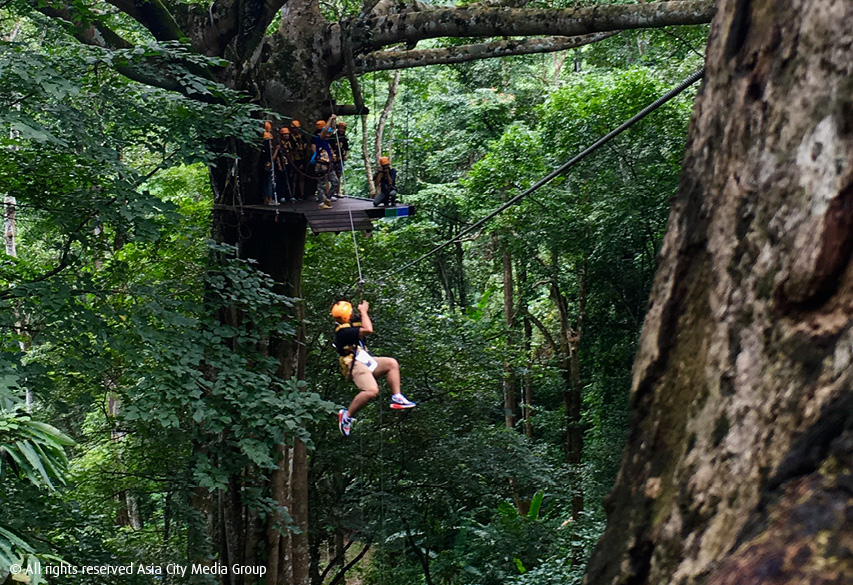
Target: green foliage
135,336
35,449
156,349
436,489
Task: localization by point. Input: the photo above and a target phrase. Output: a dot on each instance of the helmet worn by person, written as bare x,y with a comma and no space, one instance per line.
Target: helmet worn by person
342,125
284,130
321,124
342,311
384,161
268,126
295,123
267,135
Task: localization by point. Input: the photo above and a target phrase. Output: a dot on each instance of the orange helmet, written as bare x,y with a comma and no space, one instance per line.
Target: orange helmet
342,311
295,123
268,126
284,130
321,124
384,160
267,135
342,125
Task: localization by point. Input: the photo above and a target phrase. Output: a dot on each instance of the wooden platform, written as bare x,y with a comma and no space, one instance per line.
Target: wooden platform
335,220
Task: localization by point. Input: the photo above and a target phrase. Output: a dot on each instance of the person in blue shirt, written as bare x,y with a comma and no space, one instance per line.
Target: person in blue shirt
322,157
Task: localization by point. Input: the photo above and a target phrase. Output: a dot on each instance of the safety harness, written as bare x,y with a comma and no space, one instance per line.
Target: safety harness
348,359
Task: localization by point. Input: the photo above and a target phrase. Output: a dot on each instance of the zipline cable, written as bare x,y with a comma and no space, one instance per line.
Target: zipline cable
696,76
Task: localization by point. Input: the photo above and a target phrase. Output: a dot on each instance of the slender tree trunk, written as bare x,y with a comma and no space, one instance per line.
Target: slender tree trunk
559,60
570,368
739,457
575,407
393,86
445,279
167,518
10,211
510,382
279,485
339,550
528,382
358,97
527,385
365,157
301,558
460,268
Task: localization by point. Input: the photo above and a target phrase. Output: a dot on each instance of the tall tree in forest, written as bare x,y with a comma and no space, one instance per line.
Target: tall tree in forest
740,454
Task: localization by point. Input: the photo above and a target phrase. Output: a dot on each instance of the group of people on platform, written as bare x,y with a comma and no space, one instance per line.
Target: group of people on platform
294,155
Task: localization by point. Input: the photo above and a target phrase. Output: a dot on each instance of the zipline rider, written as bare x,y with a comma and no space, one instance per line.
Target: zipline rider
361,367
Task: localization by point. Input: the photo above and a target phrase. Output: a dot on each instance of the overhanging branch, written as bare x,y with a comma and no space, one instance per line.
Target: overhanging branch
92,32
154,16
97,34
479,21
397,59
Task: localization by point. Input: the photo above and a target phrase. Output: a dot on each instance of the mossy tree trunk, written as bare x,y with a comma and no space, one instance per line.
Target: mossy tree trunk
739,464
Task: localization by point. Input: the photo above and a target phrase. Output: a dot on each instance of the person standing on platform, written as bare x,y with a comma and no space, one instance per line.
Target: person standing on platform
267,161
322,160
340,153
299,153
284,167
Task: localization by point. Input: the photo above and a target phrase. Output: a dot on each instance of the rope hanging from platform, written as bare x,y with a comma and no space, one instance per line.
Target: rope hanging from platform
357,259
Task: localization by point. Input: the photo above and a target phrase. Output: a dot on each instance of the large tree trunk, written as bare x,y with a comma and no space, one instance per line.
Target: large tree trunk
510,379
739,463
278,249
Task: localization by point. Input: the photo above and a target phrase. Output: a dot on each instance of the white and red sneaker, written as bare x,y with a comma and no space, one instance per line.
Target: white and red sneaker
344,422
399,402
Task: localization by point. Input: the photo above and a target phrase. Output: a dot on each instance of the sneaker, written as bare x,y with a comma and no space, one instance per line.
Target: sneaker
333,198
399,402
326,204
344,422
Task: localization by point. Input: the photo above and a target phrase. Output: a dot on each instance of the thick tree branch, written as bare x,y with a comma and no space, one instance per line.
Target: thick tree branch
89,32
545,333
385,7
97,34
255,18
210,28
478,21
342,573
336,561
396,59
153,15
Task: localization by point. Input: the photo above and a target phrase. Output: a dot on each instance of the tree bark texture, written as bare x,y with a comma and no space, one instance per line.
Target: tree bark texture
405,59
739,464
